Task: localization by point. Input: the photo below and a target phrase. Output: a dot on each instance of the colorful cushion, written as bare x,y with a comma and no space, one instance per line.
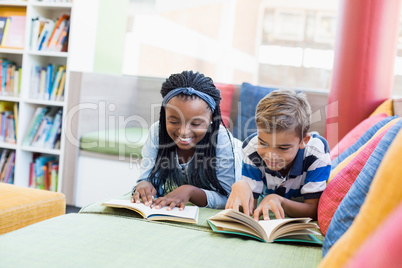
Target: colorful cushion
361,141
347,160
355,134
384,246
249,97
227,91
385,107
341,183
384,191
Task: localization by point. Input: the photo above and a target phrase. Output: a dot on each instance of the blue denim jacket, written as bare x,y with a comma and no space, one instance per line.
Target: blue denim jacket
226,172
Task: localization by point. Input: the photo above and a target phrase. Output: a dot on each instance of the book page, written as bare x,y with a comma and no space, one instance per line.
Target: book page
271,226
189,212
230,215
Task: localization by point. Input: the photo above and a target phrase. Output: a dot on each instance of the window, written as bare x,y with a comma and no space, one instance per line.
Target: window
281,43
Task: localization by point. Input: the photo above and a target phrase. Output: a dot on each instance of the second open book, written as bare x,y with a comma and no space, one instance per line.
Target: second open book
278,230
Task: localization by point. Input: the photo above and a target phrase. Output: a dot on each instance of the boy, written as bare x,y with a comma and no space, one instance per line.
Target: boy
282,160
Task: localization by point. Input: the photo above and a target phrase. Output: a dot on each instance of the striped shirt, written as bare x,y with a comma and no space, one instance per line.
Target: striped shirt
307,176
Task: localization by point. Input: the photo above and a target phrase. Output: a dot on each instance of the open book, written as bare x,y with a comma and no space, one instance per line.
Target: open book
189,214
278,230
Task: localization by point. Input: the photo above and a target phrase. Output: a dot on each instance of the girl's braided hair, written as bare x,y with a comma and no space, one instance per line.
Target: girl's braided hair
164,175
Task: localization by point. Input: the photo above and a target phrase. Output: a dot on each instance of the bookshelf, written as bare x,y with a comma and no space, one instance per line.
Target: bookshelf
27,97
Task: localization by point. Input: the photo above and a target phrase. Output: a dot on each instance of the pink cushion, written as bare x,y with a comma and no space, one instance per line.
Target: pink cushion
353,135
341,183
384,246
227,91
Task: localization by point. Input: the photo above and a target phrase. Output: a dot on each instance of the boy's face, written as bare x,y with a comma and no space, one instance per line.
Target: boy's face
279,149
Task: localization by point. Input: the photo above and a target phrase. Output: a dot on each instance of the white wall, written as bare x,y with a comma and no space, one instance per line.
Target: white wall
83,35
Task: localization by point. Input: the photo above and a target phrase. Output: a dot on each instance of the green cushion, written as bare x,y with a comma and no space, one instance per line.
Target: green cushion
93,240
119,141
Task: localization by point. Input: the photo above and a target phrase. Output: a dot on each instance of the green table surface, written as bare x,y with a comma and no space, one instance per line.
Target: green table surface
106,237
93,240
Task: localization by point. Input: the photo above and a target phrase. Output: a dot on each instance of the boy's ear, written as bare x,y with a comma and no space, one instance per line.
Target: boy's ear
305,141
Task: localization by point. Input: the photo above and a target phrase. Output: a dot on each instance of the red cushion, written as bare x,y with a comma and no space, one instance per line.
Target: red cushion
227,91
384,246
341,183
353,135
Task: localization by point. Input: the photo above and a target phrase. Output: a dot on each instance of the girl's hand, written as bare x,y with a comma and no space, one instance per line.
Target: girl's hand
145,191
176,198
271,202
241,195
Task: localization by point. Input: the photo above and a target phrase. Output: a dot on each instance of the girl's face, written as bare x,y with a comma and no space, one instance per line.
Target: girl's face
187,121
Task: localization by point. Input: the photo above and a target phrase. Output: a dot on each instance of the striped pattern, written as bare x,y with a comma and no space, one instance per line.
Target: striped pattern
306,178
351,204
20,206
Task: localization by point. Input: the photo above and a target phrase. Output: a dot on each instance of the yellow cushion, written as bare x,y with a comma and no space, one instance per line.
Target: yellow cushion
20,206
385,107
346,161
384,195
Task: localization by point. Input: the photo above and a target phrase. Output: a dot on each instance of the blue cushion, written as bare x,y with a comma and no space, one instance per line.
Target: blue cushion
354,199
249,97
361,141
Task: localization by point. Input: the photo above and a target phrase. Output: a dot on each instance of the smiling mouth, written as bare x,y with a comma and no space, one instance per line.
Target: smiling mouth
185,140
274,164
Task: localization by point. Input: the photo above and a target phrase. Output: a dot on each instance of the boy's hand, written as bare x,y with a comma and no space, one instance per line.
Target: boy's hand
145,191
241,195
271,202
176,198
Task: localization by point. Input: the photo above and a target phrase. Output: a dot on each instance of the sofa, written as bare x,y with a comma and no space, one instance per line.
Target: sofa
124,108
361,225
21,206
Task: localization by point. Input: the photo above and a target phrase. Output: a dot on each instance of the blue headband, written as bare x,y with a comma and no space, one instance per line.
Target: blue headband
190,91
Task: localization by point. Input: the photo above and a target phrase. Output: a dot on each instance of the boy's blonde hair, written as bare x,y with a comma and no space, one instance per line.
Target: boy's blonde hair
284,110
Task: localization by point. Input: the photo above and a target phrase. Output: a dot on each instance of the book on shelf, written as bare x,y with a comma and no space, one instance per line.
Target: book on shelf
6,27
3,158
9,78
56,82
54,132
230,221
40,176
57,30
60,89
3,21
48,82
15,32
189,214
7,170
48,34
45,128
45,30
7,122
35,123
15,108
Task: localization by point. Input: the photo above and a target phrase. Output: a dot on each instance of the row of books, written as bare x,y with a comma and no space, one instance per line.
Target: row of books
50,35
45,128
44,172
12,31
8,121
48,83
7,162
10,78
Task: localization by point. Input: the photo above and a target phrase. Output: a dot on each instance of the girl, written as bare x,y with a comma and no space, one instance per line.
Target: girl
189,154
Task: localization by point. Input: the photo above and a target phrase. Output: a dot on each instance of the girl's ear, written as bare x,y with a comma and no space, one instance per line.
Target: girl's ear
305,141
